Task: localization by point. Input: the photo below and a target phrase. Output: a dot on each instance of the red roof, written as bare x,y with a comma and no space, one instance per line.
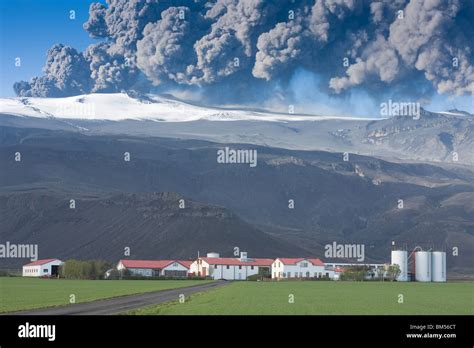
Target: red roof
41,262
153,263
294,261
185,263
231,261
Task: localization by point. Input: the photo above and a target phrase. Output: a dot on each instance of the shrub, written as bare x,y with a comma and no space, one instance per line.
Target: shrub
77,269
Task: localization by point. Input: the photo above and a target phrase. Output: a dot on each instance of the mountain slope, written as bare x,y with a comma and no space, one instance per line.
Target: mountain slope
354,201
120,106
151,224
435,137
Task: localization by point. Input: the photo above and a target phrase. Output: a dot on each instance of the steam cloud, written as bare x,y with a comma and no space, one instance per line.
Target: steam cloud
384,43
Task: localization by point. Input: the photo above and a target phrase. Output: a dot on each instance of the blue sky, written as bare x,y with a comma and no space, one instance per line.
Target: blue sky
28,28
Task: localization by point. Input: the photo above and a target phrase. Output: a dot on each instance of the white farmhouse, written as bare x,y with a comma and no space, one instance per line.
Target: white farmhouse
42,268
230,268
156,268
299,268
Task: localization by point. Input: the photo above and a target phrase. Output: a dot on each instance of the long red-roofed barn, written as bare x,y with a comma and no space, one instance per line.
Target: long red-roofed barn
156,268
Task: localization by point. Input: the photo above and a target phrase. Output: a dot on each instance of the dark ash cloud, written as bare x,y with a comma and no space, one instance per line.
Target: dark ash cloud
189,44
66,73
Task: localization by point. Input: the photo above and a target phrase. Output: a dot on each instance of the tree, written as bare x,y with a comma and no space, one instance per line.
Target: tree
76,269
357,273
381,272
393,272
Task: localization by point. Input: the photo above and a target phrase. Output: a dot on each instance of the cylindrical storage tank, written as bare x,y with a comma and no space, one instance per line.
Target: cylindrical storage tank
423,266
212,254
400,258
438,266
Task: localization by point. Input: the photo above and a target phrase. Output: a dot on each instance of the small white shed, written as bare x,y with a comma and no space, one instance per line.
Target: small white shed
42,268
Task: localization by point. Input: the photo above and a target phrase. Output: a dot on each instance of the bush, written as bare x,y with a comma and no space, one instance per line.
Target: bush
356,273
77,269
320,279
254,277
7,272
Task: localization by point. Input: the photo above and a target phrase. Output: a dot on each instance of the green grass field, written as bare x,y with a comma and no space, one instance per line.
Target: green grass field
18,293
325,298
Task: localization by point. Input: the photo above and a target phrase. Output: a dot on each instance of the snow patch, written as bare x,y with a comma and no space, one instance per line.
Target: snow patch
120,106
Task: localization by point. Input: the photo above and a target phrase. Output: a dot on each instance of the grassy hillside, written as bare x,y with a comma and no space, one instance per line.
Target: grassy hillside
325,298
28,293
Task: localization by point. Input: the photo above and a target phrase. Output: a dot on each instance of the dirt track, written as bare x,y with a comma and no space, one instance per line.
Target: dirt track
121,304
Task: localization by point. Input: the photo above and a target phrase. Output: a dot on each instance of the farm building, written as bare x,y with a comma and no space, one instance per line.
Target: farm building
373,268
299,268
156,268
230,268
42,268
334,273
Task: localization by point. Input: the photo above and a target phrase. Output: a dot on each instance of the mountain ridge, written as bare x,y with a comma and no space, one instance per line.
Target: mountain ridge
446,137
351,201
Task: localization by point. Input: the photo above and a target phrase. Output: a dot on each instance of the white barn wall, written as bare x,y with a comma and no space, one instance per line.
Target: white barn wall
40,270
228,272
233,272
280,270
175,266
31,271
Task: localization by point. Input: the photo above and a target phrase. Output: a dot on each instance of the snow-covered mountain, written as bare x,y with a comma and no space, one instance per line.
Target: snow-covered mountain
446,137
120,106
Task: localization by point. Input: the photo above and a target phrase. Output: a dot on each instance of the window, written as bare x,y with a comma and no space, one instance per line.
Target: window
45,270
303,264
240,267
289,274
228,267
307,274
215,266
251,267
175,264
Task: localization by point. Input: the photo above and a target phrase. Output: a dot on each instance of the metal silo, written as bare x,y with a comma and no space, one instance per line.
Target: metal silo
400,258
438,266
423,266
